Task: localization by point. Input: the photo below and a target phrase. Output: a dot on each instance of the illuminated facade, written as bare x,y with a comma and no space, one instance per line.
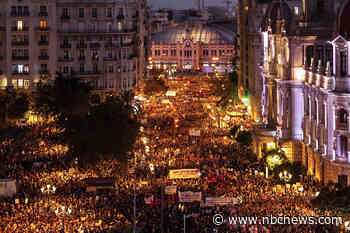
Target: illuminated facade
306,88
193,47
99,41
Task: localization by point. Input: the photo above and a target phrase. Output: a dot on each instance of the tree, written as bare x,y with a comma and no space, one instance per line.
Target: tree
14,105
274,158
110,131
244,137
65,97
93,131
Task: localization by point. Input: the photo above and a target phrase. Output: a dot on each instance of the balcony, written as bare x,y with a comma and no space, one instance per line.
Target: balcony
88,73
65,17
17,29
342,126
65,46
43,72
20,58
110,45
42,29
20,73
43,43
19,14
65,59
43,14
81,58
20,43
95,45
44,57
110,59
81,46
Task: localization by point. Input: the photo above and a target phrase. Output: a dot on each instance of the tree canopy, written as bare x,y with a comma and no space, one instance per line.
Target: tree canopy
93,130
14,104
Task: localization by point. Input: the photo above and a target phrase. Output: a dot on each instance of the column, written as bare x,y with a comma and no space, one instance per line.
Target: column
270,108
297,111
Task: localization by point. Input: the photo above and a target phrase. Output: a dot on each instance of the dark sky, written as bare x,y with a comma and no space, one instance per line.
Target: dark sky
181,4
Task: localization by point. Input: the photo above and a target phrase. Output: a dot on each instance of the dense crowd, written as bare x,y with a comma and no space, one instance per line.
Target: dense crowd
162,146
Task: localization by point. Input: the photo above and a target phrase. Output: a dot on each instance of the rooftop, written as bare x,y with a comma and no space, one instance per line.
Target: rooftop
206,34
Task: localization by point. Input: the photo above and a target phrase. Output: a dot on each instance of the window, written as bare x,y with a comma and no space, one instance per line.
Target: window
342,146
65,12
95,68
82,68
43,24
20,69
165,52
43,38
19,25
343,116
94,12
309,55
213,52
43,67
173,52
296,10
205,52
25,11
110,68
81,12
43,52
119,26
65,69
343,61
13,10
43,9
109,12
26,68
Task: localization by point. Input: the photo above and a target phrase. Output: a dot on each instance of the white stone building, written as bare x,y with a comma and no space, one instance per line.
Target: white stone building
305,83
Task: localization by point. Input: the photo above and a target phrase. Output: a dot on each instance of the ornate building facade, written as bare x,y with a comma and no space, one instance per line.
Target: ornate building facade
305,80
193,47
100,41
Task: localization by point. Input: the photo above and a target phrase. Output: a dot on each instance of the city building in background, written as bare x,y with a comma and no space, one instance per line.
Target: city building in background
161,20
101,41
197,46
301,74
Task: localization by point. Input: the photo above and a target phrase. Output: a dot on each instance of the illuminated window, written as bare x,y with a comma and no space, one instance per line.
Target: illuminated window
20,69
26,69
119,26
43,24
296,10
19,25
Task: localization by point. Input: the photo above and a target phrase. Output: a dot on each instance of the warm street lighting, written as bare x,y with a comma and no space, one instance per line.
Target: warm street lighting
285,176
63,211
48,189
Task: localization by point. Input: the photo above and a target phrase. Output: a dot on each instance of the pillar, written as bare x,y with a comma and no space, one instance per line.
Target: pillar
297,111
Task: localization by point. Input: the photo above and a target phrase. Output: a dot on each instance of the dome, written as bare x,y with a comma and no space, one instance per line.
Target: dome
205,34
277,10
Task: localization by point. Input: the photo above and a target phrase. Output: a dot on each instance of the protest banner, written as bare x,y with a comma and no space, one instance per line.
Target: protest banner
169,190
184,174
190,196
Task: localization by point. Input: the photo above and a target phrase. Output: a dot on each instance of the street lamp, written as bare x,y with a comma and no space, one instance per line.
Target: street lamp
48,189
285,176
62,212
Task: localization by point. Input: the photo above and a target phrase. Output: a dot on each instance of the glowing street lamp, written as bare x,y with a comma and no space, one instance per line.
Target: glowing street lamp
48,189
285,176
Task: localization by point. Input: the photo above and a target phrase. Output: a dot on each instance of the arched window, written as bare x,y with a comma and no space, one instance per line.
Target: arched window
343,61
309,55
343,116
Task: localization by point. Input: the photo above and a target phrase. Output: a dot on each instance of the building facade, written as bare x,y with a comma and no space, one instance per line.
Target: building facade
305,78
193,47
99,41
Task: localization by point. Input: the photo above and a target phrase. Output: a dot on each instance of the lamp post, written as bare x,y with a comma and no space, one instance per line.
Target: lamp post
285,176
62,212
48,189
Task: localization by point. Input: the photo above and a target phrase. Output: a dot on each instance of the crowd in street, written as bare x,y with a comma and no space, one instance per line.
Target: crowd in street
161,147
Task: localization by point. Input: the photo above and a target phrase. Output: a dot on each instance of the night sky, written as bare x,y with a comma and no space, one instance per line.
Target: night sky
182,4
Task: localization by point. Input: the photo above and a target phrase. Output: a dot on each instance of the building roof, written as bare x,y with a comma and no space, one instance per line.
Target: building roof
207,34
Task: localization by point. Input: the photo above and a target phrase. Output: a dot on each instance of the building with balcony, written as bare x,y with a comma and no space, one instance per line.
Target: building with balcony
79,38
304,75
195,46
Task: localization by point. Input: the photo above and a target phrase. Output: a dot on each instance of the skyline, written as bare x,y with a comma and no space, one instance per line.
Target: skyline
182,4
